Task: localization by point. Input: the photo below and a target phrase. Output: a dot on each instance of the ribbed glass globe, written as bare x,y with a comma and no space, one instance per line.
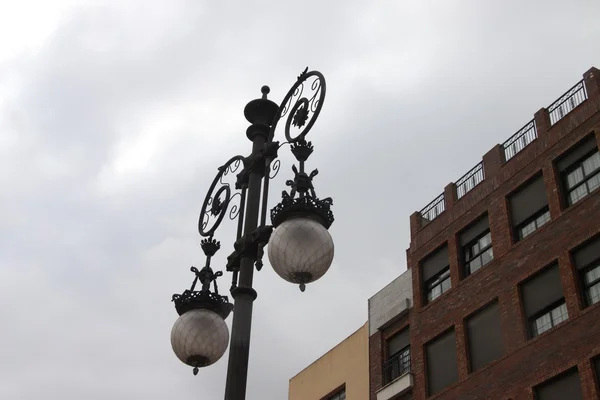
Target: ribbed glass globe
300,250
199,337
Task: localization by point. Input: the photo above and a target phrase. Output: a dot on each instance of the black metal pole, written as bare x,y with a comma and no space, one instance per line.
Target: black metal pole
244,294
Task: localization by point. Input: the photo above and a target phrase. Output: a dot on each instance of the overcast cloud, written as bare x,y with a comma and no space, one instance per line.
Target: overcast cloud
114,116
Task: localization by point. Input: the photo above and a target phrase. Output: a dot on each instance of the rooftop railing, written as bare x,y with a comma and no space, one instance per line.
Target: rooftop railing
469,180
433,209
519,140
567,102
515,144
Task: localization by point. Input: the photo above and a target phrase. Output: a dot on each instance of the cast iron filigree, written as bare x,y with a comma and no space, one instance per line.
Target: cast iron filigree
308,206
204,298
300,107
217,201
302,110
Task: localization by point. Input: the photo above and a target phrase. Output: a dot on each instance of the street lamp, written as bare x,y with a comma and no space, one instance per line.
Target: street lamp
300,248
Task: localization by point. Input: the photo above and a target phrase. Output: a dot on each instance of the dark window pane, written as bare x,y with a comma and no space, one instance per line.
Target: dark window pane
441,362
587,254
485,336
434,263
398,342
528,200
564,387
542,291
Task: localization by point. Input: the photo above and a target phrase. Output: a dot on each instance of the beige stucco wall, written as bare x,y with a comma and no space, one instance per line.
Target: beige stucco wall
347,363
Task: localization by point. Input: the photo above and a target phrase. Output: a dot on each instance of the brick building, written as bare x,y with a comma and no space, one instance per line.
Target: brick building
500,299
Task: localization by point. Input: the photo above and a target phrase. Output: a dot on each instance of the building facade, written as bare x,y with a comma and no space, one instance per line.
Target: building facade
340,374
501,296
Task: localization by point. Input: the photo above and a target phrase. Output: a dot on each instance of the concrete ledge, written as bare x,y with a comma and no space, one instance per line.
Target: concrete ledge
395,388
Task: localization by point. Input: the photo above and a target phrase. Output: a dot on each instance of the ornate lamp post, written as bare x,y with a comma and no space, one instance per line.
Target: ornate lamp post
300,248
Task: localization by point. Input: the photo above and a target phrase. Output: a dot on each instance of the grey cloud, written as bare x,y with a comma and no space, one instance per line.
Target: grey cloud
120,121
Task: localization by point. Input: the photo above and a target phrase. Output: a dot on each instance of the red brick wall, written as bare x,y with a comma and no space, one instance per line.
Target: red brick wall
375,363
526,363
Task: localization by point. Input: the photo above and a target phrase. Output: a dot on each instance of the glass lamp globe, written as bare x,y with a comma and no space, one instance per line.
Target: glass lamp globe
301,250
199,338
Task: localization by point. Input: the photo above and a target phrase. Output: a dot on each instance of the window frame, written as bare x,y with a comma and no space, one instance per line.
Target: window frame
469,247
436,281
587,286
547,311
533,218
337,394
584,182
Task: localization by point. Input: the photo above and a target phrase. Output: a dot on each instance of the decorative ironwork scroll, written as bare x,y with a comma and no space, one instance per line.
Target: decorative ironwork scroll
217,201
301,106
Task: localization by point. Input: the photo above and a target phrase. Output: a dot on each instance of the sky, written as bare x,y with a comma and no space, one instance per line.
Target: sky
115,114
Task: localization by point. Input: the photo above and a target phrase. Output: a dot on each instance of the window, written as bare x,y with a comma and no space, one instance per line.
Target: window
591,282
564,386
438,284
529,207
596,363
341,395
587,261
435,271
532,224
580,170
476,243
478,253
441,362
549,318
584,178
543,300
398,360
484,336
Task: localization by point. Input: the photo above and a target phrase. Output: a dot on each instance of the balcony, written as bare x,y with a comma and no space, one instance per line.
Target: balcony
397,378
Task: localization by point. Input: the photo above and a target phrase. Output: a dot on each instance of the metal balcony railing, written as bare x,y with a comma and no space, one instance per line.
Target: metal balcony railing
469,180
520,140
567,102
433,209
396,366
